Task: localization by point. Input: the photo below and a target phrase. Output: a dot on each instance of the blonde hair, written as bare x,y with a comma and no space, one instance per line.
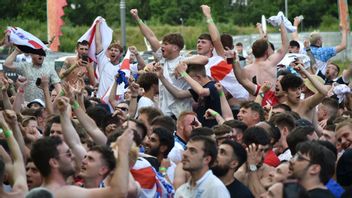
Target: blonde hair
314,37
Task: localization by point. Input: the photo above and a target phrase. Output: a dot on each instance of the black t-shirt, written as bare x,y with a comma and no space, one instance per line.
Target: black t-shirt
212,101
320,193
237,189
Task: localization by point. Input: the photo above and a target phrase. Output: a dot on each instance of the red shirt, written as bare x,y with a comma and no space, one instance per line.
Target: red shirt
271,159
269,97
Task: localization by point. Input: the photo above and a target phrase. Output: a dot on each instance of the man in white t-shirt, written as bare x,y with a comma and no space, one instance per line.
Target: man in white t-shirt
199,155
168,53
107,62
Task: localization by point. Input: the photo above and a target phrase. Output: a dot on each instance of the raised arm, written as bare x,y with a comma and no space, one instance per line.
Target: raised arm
225,107
134,87
19,171
19,97
199,89
196,59
112,94
45,87
70,134
213,30
168,85
4,85
140,60
296,23
146,31
87,122
98,39
275,58
343,44
9,61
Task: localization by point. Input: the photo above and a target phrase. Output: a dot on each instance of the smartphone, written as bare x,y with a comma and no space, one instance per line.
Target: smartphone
38,82
85,57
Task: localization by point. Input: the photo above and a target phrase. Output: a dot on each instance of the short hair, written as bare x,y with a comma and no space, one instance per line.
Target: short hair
84,42
337,67
26,119
205,36
239,44
221,129
320,155
282,72
99,114
284,120
182,116
107,155
197,69
115,45
294,43
238,150
165,138
236,124
51,121
112,137
147,80
209,147
42,151
314,37
298,135
347,122
254,107
141,126
259,48
291,81
332,105
227,40
174,39
205,131
256,135
151,113
164,121
33,112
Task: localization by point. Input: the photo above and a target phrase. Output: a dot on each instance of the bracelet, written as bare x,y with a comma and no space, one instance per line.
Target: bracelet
140,21
62,93
307,49
8,133
214,113
183,74
162,169
221,93
75,105
210,21
261,94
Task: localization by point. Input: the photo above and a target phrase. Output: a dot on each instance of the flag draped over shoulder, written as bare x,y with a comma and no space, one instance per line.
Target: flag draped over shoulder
26,42
122,82
55,10
218,69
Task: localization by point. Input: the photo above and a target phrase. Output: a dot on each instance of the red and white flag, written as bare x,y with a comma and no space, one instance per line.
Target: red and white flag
26,42
120,91
218,69
106,37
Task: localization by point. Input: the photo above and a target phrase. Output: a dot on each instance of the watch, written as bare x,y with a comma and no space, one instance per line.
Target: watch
253,167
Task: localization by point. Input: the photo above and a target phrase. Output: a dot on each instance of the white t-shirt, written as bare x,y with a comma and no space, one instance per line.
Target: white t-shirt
107,72
168,104
208,186
144,102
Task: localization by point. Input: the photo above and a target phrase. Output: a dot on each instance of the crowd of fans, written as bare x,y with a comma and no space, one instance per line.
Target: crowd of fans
222,123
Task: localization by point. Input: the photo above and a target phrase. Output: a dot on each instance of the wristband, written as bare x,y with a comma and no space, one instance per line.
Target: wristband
307,49
140,21
62,93
183,74
8,133
20,90
221,94
261,94
1,130
162,169
75,105
214,113
210,21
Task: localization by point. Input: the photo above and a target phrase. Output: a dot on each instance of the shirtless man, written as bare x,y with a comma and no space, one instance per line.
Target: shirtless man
78,65
264,66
